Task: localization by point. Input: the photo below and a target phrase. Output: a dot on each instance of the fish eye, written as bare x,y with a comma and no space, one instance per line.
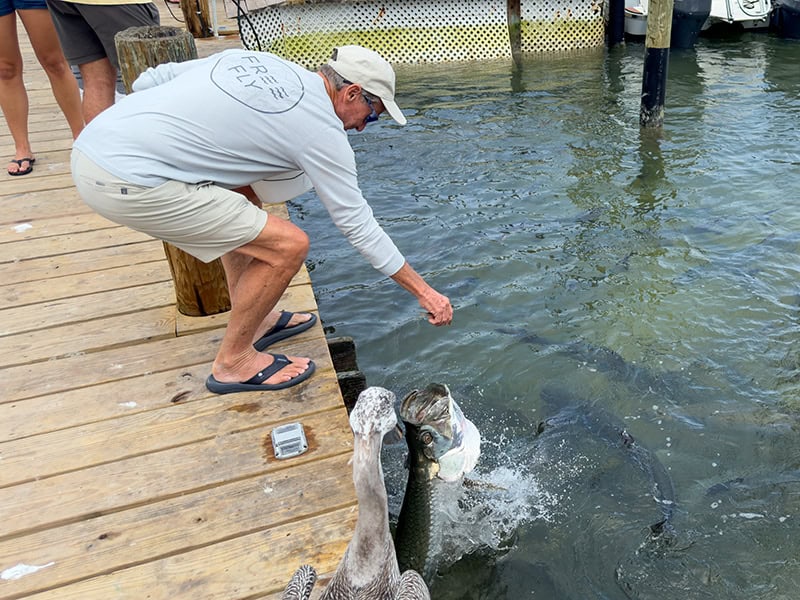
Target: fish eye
426,437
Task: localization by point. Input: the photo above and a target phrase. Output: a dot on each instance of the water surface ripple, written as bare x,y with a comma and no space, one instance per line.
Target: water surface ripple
593,266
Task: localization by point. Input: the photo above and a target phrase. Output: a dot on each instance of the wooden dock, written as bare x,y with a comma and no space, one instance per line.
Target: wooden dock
121,477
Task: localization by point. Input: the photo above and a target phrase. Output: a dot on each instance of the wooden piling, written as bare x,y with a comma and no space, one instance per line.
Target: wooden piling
197,17
351,380
514,10
616,23
201,289
656,60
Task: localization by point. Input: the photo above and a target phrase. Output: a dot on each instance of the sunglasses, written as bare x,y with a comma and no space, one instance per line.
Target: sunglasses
373,116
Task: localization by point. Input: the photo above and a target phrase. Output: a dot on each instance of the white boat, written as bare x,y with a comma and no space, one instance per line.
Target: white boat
748,14
636,18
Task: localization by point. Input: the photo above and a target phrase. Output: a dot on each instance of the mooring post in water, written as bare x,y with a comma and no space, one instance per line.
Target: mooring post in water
656,59
514,10
616,23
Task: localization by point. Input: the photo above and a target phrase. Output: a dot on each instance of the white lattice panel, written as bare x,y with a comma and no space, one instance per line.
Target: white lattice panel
405,31
557,25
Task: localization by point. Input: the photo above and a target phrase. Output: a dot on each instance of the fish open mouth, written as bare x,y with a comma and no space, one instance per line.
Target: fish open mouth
446,437
461,459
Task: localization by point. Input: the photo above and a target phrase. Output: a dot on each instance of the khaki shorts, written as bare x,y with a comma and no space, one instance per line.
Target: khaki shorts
204,220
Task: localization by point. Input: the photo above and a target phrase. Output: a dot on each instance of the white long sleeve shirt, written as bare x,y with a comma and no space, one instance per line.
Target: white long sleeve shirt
233,119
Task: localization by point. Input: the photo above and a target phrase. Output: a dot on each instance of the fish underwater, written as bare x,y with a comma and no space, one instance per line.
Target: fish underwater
443,446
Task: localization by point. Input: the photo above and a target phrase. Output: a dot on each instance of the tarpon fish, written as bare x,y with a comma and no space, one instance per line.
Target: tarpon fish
604,426
443,445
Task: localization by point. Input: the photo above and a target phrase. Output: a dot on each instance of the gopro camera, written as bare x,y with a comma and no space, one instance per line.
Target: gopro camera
289,440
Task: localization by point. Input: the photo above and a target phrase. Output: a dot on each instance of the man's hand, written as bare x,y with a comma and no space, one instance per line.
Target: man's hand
436,305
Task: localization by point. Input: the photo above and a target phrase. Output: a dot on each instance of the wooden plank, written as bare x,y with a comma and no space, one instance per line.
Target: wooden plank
121,540
46,113
171,373
52,315
21,207
59,304
73,407
54,245
74,309
59,136
148,478
72,372
117,439
88,336
83,262
39,226
81,285
36,182
237,569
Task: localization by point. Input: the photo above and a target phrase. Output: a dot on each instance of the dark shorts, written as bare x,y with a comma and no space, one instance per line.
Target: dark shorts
87,31
9,6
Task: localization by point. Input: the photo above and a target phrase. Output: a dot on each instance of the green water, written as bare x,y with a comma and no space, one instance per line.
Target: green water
652,276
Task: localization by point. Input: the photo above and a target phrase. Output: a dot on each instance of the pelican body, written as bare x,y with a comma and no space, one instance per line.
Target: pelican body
368,570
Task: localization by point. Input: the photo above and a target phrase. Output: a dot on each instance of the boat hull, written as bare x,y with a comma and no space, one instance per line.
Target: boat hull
785,18
688,18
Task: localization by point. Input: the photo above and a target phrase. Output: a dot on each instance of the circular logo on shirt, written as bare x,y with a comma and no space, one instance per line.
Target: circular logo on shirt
259,81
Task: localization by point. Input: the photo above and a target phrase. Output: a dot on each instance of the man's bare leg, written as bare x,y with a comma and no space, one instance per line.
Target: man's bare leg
235,263
275,256
99,84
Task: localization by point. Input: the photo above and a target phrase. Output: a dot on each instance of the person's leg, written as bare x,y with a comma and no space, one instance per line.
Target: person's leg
99,83
235,264
82,47
45,44
275,256
100,76
108,21
13,97
208,221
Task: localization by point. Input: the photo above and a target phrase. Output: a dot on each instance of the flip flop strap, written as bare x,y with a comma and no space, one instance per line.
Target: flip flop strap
280,362
282,322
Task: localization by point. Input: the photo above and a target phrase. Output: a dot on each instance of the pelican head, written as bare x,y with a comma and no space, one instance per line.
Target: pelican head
374,412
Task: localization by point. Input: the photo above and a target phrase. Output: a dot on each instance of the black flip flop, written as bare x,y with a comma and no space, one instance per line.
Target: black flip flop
280,331
256,382
19,162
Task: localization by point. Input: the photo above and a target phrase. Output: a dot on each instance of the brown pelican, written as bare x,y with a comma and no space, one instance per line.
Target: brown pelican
368,570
